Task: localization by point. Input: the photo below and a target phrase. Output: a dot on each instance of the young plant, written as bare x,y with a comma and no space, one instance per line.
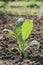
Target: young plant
21,32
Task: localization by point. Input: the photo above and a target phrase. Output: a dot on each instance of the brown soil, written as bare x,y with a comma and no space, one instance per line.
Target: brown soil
7,57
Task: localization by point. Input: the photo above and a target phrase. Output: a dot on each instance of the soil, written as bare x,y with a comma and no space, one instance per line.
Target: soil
7,57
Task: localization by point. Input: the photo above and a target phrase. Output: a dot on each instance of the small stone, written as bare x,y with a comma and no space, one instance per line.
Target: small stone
1,36
26,61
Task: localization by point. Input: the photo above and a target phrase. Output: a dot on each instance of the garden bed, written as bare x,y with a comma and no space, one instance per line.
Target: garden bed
7,57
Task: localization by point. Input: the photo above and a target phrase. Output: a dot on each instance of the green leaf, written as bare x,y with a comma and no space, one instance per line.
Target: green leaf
20,20
14,49
25,45
36,43
18,29
12,33
25,54
27,28
22,45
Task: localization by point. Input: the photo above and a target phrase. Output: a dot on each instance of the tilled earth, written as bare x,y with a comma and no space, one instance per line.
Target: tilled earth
7,57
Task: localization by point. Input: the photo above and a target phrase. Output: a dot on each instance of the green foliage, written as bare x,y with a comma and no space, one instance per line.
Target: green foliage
22,30
14,49
21,0
10,32
27,28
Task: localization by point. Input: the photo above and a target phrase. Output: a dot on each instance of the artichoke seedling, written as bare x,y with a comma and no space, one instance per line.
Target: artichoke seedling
22,30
